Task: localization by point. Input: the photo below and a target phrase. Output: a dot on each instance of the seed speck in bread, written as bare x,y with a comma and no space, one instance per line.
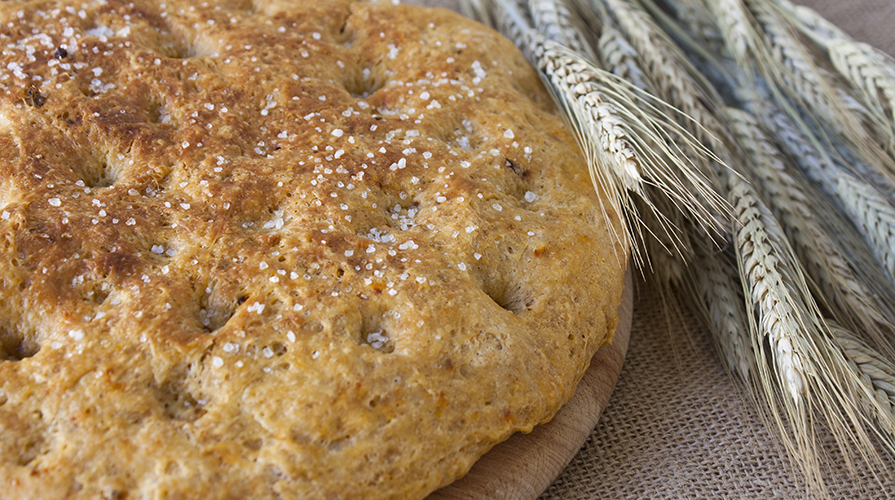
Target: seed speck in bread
281,249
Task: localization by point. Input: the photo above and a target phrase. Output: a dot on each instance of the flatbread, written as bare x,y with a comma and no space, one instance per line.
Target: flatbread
282,249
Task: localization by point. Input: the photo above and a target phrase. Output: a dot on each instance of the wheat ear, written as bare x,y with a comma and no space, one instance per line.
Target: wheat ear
620,130
876,216
767,290
696,21
806,364
718,297
619,57
736,26
676,80
553,20
870,71
767,287
872,367
833,279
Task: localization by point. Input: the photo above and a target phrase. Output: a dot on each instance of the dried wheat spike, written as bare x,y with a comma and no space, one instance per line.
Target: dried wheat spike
875,215
668,67
832,275
767,286
619,57
719,294
554,21
871,71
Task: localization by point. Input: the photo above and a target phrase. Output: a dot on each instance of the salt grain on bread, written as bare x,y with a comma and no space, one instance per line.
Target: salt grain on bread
281,250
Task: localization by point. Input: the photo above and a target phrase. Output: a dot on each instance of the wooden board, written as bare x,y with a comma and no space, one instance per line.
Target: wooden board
525,465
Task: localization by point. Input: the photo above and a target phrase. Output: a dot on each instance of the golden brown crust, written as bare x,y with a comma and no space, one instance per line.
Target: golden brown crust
281,249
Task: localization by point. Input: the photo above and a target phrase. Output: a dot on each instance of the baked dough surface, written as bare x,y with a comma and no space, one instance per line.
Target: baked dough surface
281,249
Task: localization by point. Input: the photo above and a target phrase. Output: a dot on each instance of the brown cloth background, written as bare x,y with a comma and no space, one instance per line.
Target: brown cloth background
676,426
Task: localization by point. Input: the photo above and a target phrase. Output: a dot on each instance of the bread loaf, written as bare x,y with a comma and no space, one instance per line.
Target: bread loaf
282,249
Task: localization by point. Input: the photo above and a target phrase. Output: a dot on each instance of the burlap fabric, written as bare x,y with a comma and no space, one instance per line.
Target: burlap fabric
676,426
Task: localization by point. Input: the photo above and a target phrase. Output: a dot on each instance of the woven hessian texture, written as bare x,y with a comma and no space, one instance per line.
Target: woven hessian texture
676,426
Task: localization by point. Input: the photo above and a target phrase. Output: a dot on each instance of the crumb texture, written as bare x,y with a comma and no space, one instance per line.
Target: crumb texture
281,249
